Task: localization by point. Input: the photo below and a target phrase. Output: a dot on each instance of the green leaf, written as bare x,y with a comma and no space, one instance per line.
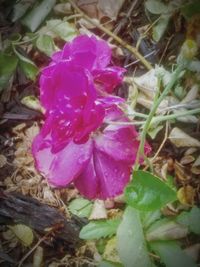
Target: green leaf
23,233
8,65
131,243
20,9
171,254
80,207
156,7
190,9
46,44
191,219
166,229
149,217
61,28
98,229
37,14
160,27
194,66
147,192
27,66
154,130
110,251
106,263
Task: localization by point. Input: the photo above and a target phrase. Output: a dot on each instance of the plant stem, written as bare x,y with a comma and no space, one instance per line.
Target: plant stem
158,119
132,49
157,102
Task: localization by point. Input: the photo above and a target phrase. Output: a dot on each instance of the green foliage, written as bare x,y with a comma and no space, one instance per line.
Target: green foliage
37,14
190,9
161,26
157,7
62,29
191,219
8,64
149,217
171,254
27,66
98,229
46,44
23,233
106,263
131,243
54,28
20,9
80,207
166,229
147,192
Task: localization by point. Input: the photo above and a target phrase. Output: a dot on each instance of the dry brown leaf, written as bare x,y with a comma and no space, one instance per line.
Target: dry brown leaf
101,8
186,195
181,139
62,9
98,210
197,162
110,252
187,159
193,251
190,151
180,172
3,161
109,8
38,257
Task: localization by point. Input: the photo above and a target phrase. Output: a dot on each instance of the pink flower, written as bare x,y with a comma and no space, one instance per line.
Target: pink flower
95,56
79,141
100,167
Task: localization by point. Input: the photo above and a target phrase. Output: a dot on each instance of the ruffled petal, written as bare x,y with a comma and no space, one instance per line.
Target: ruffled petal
108,79
121,143
64,83
104,177
62,167
88,52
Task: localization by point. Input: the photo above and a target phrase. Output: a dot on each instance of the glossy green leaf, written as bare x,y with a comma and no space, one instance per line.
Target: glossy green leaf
37,14
63,29
149,217
190,9
171,254
106,263
98,229
23,233
131,243
27,66
147,192
46,44
160,27
20,9
191,219
8,64
166,229
80,207
156,7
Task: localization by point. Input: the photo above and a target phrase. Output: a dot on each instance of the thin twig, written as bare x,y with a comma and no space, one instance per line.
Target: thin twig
32,249
132,49
156,104
163,142
124,20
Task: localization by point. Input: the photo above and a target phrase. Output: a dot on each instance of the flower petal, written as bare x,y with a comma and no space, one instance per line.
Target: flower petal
104,177
121,143
88,52
63,82
62,167
108,79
